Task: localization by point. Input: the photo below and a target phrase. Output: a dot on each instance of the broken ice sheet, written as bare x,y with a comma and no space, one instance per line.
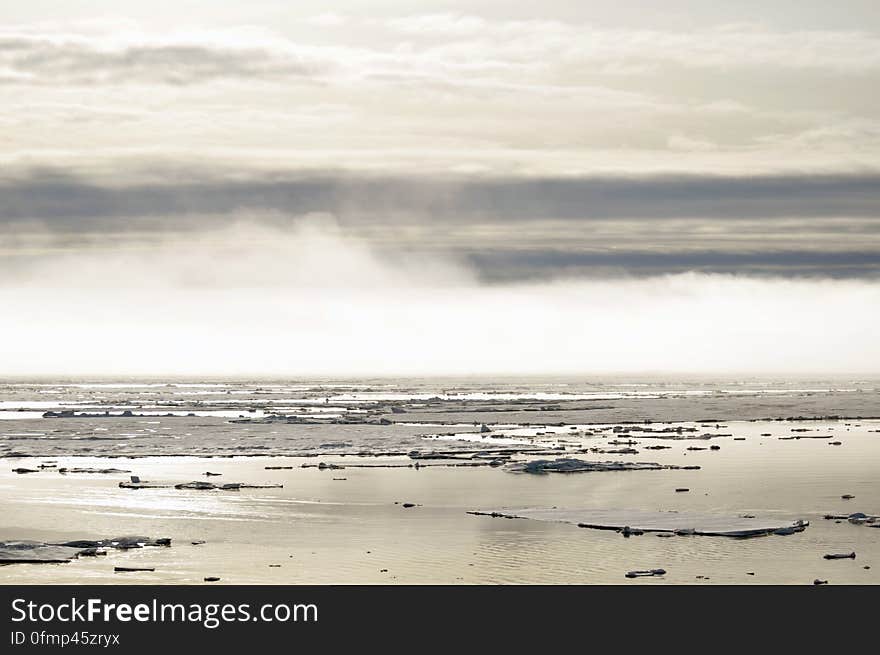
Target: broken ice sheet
573,465
22,552
38,552
201,485
650,521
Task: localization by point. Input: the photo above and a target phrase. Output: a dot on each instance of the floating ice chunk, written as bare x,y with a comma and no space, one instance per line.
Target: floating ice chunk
200,485
137,483
91,470
229,486
38,552
195,485
645,574
572,465
680,523
856,518
35,552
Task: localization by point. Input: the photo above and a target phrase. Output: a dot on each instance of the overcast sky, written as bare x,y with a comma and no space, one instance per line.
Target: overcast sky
500,143
117,113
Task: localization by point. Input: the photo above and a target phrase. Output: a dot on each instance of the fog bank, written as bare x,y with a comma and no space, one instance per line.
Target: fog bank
308,300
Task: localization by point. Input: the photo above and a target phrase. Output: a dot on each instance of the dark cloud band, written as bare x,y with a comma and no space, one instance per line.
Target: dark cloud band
67,200
505,228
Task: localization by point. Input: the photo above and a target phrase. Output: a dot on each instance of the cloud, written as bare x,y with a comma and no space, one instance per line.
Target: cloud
457,93
682,142
722,47
480,196
56,196
519,264
442,48
328,19
506,228
78,60
308,300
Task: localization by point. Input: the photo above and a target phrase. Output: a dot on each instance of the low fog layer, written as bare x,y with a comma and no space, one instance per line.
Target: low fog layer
310,300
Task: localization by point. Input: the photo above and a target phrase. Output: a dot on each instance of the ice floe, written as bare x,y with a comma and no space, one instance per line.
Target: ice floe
629,521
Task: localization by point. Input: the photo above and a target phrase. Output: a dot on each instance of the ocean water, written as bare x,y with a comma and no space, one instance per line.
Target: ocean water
348,525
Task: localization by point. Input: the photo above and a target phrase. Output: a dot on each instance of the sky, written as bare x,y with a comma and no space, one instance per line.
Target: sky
455,187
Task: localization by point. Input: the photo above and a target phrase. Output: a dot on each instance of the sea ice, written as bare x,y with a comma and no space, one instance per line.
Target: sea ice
682,523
